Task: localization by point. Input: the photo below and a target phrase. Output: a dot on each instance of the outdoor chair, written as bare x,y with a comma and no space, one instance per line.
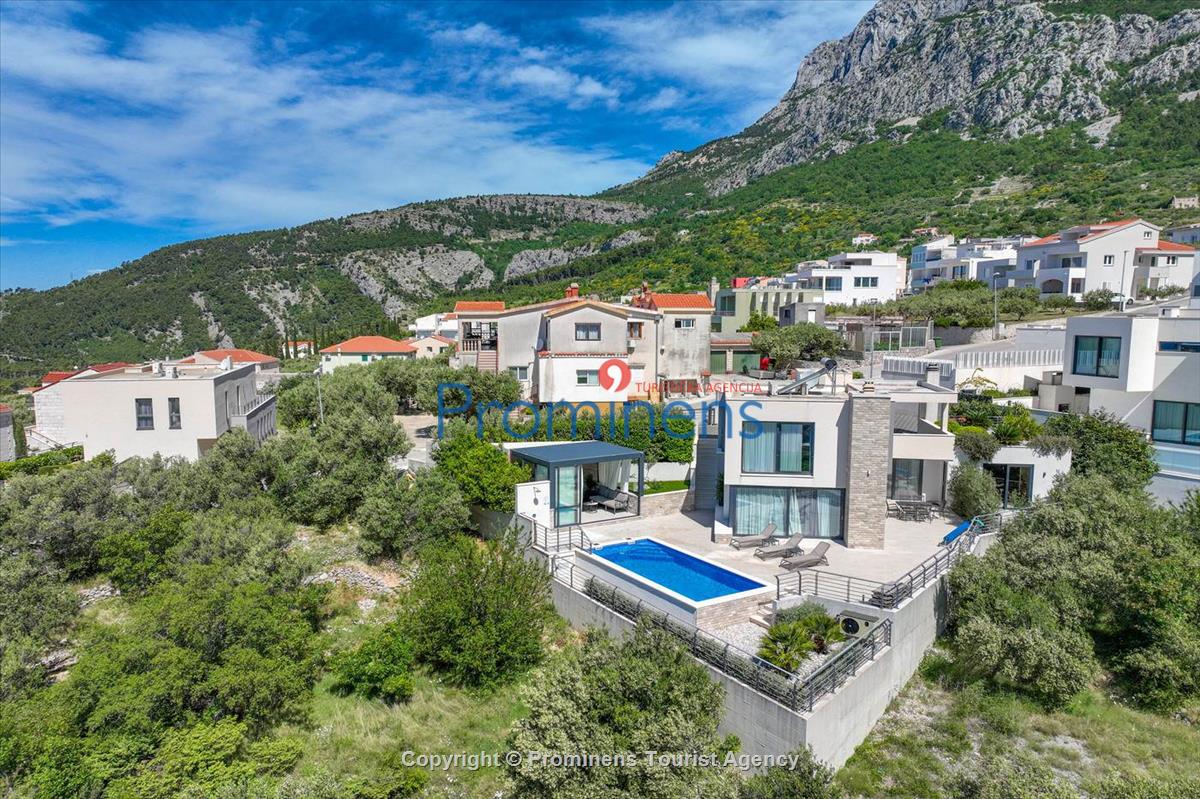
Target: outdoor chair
814,558
780,550
747,541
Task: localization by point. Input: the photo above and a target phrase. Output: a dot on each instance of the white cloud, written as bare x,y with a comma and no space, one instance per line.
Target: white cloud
665,98
479,34
223,129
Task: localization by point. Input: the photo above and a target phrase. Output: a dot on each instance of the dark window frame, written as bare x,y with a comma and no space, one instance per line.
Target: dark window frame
143,421
1190,410
775,458
174,414
1099,350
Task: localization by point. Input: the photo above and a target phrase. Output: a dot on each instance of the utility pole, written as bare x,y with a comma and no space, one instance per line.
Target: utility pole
1121,293
995,308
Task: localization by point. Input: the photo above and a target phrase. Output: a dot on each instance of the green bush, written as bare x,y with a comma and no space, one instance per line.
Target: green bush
136,559
1059,302
976,443
1103,444
42,463
400,515
1016,426
802,631
381,667
809,778
804,341
477,610
1099,299
972,491
485,475
1017,778
809,607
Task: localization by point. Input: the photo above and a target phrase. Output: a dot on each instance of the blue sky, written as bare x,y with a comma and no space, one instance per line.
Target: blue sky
128,126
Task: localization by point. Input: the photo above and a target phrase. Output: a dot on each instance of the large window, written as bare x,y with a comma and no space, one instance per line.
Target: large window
833,284
814,512
781,448
587,331
1015,483
1176,422
1097,355
905,482
866,282
144,408
174,419
587,377
635,330
519,372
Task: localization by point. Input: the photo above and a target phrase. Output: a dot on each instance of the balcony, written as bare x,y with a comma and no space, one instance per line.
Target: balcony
923,441
256,416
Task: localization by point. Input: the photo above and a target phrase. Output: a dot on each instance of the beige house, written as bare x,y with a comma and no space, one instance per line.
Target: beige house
430,346
363,350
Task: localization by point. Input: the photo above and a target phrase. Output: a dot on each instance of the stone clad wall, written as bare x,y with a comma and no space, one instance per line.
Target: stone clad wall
870,464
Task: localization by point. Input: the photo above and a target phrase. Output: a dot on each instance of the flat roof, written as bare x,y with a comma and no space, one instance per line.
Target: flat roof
574,453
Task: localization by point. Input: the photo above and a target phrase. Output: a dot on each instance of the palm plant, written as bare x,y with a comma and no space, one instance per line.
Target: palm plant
786,645
822,630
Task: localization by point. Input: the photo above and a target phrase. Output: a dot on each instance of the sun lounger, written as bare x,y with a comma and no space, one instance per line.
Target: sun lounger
782,549
814,558
747,541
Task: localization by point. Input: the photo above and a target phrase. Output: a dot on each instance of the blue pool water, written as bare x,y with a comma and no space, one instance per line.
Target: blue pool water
684,574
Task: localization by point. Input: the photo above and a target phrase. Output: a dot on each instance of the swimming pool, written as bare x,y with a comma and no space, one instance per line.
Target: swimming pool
676,570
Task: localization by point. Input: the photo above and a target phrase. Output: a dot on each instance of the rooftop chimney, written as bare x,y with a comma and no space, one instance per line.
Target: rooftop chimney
933,374
226,363
572,290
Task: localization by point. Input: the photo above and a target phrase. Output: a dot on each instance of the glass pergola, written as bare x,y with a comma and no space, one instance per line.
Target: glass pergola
589,480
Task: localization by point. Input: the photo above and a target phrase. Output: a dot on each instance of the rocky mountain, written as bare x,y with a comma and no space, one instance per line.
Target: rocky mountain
995,67
980,116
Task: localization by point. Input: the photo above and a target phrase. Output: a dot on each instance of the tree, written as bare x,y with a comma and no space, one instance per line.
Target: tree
483,472
976,443
809,778
972,491
759,321
399,515
636,694
381,666
1015,425
1099,299
803,341
477,610
1103,444
136,559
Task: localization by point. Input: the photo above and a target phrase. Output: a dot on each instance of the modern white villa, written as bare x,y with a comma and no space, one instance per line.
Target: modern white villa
168,409
946,258
853,278
1126,257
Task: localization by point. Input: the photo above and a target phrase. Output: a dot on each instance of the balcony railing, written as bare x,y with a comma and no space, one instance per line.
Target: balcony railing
254,403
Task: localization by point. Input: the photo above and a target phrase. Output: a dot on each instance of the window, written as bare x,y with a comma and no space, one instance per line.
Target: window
813,512
685,323
363,358
1176,422
144,409
1073,261
1097,355
519,372
635,330
1029,262
1015,483
587,331
781,448
1179,346
1109,260
833,284
1076,285
1172,260
866,282
587,377
174,420
905,479
1146,234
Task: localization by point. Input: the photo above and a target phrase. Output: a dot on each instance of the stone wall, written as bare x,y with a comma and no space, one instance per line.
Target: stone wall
870,464
733,611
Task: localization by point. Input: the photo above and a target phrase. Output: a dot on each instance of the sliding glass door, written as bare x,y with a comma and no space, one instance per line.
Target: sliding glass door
1014,482
905,481
567,481
814,512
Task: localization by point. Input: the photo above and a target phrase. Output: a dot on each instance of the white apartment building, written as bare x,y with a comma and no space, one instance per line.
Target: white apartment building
435,324
1185,234
266,367
558,349
853,278
1143,369
363,350
1124,257
945,258
864,239
823,455
168,409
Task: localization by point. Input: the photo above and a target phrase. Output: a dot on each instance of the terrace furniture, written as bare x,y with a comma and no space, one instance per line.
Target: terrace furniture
747,541
893,508
780,550
914,511
889,595
814,558
955,533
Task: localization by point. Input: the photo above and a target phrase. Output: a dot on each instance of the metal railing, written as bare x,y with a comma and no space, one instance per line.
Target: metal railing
553,540
785,687
254,403
828,585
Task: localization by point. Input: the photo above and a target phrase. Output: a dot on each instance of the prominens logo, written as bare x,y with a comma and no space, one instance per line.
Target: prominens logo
616,383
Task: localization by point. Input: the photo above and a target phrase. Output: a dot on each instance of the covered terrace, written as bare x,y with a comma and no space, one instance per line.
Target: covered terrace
590,481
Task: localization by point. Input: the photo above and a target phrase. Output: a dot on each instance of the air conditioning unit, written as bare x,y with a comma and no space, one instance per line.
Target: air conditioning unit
856,625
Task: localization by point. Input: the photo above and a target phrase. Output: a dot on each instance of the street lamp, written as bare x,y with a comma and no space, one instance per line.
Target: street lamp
995,307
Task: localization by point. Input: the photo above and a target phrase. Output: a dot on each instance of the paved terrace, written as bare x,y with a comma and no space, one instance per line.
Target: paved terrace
908,543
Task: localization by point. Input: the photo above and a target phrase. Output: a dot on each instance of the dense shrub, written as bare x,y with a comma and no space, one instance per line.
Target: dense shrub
135,559
1099,299
477,610
1011,778
485,475
976,443
804,341
972,491
1015,426
1103,444
381,666
1059,302
640,693
400,514
36,609
42,463
797,633
809,778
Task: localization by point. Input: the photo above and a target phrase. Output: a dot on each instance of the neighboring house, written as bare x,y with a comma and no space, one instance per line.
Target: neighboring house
8,439
785,302
1185,234
1185,202
945,258
1022,474
853,278
685,325
1124,257
364,349
556,349
863,239
925,231
435,324
301,346
828,456
49,430
430,346
1143,369
266,367
173,410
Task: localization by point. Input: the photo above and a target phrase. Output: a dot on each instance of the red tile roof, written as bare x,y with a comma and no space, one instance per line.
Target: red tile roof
5,408
53,377
442,338
365,345
478,305
1168,246
50,378
699,302
238,356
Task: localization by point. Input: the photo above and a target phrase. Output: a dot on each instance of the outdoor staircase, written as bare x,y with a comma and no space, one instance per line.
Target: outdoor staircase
488,361
704,476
